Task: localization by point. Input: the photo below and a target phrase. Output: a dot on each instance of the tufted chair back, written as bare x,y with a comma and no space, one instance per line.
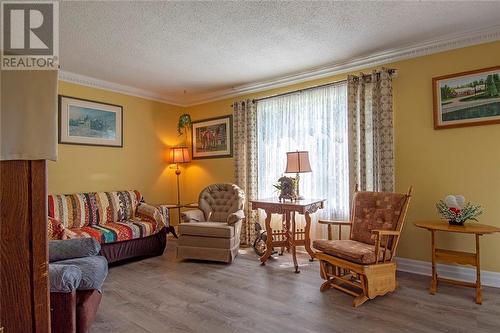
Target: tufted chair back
217,201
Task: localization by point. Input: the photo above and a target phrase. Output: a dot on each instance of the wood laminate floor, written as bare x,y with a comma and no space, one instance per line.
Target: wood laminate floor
163,295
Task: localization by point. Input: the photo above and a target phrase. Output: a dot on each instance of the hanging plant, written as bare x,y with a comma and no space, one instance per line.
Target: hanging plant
184,123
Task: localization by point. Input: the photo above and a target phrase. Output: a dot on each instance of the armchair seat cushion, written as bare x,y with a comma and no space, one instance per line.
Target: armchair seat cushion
351,250
208,229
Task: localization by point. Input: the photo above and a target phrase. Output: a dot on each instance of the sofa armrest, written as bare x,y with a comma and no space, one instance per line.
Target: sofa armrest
152,214
193,215
165,212
73,248
64,278
235,217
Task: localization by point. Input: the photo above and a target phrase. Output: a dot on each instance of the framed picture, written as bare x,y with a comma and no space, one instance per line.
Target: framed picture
213,137
467,99
84,122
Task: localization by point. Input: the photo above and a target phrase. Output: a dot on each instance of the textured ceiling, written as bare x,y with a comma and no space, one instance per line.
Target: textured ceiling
183,49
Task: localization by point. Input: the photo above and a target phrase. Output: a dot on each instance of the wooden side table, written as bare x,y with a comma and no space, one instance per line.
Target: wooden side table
191,205
458,257
288,237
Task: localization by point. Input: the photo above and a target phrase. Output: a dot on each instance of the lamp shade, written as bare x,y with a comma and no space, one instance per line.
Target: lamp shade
297,162
179,155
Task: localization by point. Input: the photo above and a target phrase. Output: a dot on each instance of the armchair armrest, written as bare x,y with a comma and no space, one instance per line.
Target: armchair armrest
64,278
73,248
193,215
331,223
379,234
386,232
165,211
235,217
335,222
152,214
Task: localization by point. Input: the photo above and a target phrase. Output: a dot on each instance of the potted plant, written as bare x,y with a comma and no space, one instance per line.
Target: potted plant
184,124
287,188
456,211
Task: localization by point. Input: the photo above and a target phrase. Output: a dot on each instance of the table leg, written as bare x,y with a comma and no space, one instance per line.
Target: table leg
292,245
434,282
288,230
479,292
307,239
269,241
283,228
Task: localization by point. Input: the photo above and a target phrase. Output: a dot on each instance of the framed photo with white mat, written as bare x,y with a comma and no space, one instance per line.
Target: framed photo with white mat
91,123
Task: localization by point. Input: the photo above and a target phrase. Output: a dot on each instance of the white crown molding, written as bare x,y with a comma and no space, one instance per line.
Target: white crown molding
463,273
437,45
116,87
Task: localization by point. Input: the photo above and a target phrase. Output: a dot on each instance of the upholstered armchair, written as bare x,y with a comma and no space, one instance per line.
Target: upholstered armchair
76,275
363,266
212,232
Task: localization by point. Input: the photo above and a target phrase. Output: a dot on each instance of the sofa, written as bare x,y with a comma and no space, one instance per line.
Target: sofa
212,232
125,226
76,276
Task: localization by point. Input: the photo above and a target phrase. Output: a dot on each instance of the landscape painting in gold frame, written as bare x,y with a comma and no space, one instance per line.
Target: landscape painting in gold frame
467,99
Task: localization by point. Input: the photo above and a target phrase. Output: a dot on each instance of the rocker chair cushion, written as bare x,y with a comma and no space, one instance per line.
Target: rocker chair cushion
350,250
375,210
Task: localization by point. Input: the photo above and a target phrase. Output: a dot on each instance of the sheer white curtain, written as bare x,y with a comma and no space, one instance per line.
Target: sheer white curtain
314,120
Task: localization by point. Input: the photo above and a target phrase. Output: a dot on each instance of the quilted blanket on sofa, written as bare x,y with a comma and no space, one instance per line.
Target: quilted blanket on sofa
106,216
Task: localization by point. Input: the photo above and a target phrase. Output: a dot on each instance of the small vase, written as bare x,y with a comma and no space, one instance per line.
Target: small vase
454,222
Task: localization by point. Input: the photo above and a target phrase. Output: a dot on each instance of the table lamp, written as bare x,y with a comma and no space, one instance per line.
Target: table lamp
297,162
179,155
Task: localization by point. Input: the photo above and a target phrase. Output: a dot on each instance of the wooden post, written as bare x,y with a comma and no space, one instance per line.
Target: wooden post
434,272
24,303
479,292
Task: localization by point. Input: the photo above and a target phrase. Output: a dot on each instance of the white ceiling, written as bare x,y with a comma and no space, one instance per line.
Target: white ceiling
167,48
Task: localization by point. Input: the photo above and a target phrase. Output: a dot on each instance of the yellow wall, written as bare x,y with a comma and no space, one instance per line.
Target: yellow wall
148,128
453,161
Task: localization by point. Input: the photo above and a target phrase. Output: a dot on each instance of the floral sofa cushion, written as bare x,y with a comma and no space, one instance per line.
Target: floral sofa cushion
106,216
55,229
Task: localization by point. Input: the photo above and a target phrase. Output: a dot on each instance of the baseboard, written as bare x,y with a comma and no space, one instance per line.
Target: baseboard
491,279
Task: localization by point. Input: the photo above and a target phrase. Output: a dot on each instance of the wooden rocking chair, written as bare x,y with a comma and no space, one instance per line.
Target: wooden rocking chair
363,265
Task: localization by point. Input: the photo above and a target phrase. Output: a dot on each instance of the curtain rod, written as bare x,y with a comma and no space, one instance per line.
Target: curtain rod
296,91
391,71
301,90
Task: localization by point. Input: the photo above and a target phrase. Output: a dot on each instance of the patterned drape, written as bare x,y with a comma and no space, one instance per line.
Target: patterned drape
245,159
371,143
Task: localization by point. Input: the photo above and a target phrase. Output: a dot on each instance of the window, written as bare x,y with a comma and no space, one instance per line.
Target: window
314,120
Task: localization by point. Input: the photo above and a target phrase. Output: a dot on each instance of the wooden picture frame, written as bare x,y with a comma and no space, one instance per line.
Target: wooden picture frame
212,138
89,123
467,99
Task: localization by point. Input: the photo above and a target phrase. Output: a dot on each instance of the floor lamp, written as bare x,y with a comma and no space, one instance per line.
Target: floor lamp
179,155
